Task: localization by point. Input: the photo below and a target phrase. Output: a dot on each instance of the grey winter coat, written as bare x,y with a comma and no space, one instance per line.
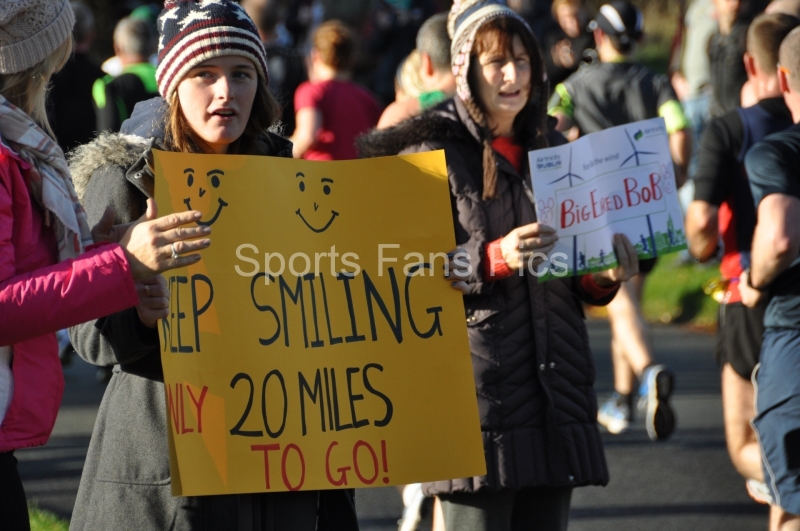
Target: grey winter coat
534,373
126,478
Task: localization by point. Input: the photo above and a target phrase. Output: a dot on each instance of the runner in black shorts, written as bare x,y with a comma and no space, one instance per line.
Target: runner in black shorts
772,167
723,209
615,91
739,336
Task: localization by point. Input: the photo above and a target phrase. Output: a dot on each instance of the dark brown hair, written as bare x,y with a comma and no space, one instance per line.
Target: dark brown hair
264,114
530,125
335,44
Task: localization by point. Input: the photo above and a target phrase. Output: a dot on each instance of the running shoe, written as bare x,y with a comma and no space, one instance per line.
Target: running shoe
615,414
759,491
654,392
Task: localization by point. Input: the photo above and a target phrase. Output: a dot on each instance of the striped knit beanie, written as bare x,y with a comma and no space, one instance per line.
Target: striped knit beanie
465,19
191,32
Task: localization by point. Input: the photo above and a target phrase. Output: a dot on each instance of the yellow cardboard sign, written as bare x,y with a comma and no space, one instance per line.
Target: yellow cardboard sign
316,345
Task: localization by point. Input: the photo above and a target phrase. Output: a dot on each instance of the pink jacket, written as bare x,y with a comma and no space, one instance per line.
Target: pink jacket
39,295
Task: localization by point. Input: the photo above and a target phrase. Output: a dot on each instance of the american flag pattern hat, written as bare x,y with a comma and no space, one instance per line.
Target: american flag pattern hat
191,32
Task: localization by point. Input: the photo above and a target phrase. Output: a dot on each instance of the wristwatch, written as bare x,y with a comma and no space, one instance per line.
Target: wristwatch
747,270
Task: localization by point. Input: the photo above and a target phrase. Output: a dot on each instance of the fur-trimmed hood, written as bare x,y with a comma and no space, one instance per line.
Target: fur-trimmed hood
447,122
443,122
107,149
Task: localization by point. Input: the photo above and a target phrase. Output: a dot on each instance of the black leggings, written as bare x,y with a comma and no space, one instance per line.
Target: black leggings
527,509
13,506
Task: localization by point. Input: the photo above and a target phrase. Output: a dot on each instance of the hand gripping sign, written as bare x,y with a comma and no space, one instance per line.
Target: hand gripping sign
617,180
316,344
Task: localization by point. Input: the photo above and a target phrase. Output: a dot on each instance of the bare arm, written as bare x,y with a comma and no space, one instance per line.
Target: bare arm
776,241
680,147
309,122
702,229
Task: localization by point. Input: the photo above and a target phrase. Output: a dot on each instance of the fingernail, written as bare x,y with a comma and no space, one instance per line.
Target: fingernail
197,215
206,242
206,230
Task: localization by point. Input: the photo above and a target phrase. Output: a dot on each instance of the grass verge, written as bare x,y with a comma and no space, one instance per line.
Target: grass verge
42,520
674,294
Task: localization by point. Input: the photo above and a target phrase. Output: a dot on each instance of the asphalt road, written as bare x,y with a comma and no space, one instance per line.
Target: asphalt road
684,484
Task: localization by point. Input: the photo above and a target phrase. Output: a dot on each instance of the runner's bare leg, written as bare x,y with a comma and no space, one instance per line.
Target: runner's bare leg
737,411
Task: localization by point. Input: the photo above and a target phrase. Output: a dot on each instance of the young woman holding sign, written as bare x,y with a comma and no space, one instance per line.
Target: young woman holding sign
48,278
213,78
534,373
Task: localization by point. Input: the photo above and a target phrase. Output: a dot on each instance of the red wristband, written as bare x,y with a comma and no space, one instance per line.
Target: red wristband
496,267
594,290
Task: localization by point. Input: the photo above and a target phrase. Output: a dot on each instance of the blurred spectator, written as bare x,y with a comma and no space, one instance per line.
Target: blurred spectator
408,81
331,110
286,62
149,13
566,40
353,13
691,79
115,96
71,108
303,15
434,73
394,29
725,53
536,12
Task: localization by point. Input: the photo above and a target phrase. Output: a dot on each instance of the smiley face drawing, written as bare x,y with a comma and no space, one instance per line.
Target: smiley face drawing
213,177
318,220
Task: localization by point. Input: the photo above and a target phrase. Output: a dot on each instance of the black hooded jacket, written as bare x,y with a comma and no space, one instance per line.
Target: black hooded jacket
534,373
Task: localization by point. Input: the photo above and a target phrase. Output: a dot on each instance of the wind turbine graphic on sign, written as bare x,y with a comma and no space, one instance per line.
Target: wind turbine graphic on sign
569,175
636,152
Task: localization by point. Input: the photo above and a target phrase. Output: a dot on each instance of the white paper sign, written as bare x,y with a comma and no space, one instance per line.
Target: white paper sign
620,180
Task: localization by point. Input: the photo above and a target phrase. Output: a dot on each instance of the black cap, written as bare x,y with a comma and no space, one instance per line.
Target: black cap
620,19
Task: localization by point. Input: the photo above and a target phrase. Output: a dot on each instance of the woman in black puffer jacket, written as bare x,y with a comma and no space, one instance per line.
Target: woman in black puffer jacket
534,373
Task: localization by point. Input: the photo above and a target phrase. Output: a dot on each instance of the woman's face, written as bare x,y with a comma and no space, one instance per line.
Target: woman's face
216,97
504,84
